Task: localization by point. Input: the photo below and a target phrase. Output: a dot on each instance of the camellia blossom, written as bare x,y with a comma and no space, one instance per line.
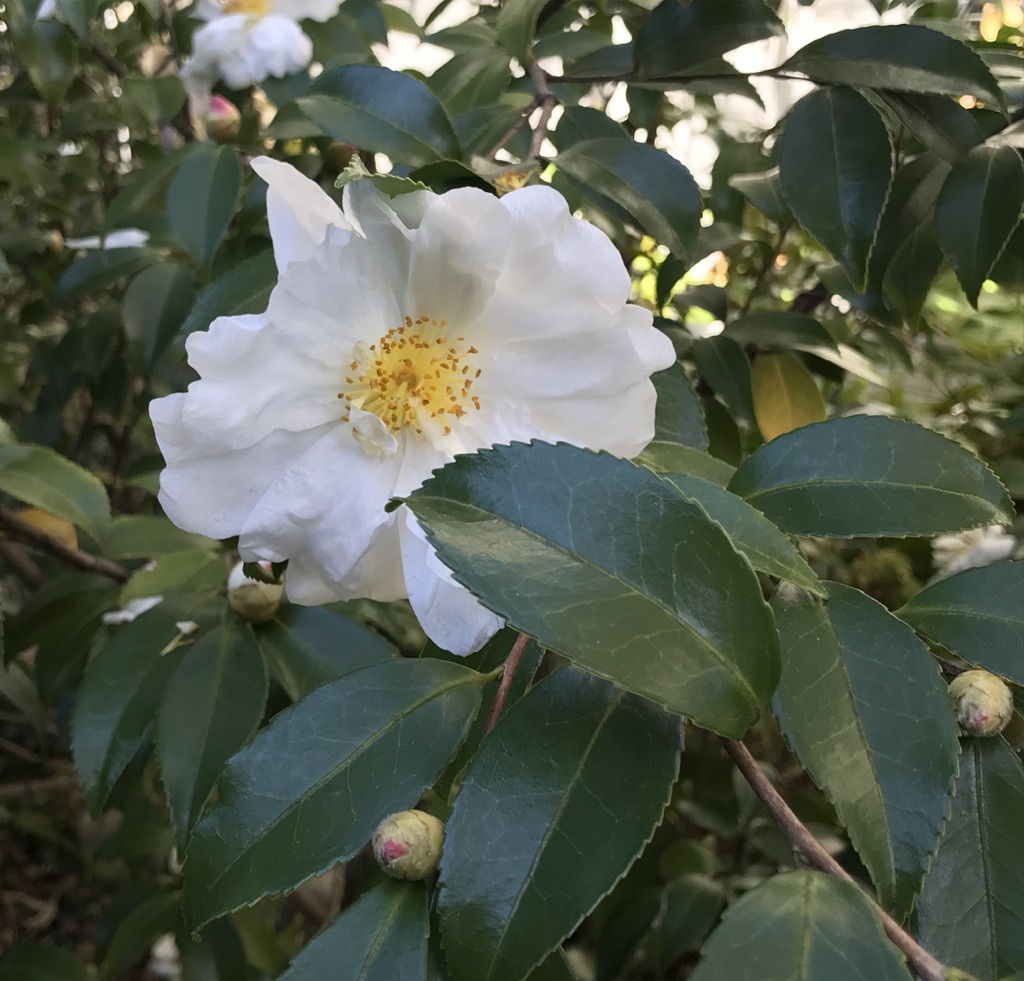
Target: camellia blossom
244,41
400,333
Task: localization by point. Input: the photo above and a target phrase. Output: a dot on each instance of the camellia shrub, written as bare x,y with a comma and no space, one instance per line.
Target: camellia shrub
539,505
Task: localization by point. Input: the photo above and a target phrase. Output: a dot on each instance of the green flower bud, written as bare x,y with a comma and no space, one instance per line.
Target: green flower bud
407,845
984,703
254,601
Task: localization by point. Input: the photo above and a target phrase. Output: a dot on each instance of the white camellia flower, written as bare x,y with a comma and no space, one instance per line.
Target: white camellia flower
971,549
244,41
400,333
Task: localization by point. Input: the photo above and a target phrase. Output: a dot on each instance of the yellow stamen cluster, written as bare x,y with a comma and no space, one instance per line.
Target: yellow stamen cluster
254,8
414,373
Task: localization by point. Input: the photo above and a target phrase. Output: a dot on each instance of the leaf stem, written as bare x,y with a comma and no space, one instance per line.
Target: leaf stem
801,840
507,674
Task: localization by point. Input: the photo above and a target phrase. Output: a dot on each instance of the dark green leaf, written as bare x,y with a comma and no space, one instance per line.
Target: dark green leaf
657,190
213,704
79,15
978,208
870,475
98,270
36,962
516,24
864,708
978,614
675,37
971,912
836,164
558,832
308,645
217,956
311,787
612,568
939,122
139,930
145,184
191,570
47,480
117,702
901,57
724,366
244,289
154,307
678,417
377,109
382,935
801,926
201,200
50,56
770,329
581,123
764,192
691,905
678,459
750,532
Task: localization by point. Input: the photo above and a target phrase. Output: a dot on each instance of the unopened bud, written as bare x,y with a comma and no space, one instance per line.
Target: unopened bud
983,702
254,601
407,845
223,120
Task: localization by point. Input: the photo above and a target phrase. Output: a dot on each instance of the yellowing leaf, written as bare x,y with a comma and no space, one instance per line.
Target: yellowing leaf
785,395
58,529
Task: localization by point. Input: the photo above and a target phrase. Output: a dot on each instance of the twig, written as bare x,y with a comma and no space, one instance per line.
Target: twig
545,99
29,788
513,131
24,568
926,966
762,273
511,663
73,556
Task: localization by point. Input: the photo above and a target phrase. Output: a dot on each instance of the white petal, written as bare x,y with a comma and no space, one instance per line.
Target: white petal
278,46
451,616
298,209
320,10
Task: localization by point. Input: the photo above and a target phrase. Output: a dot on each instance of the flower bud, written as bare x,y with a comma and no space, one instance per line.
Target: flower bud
984,703
254,601
223,120
407,845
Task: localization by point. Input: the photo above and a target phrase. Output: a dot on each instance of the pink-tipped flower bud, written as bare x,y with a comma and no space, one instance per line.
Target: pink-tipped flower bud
407,845
254,601
223,120
984,704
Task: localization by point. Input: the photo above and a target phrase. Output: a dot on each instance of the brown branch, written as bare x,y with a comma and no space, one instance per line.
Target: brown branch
545,99
24,568
31,535
511,663
801,840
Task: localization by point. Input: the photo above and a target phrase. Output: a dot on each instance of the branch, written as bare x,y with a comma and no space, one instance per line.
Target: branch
801,840
73,556
544,99
511,663
762,273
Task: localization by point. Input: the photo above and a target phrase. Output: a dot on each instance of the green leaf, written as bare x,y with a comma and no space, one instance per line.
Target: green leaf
785,394
836,165
853,679
612,568
47,480
516,25
213,704
382,935
677,459
901,57
377,109
79,15
217,956
117,702
143,536
801,926
311,787
201,200
873,476
677,416
145,184
308,645
557,832
244,289
977,614
978,208
764,191
675,38
690,907
36,962
776,329
653,187
154,307
971,912
723,364
193,570
751,533
98,270
135,935
50,56
939,122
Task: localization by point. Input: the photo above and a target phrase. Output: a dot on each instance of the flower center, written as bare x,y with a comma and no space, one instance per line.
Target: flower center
414,376
254,8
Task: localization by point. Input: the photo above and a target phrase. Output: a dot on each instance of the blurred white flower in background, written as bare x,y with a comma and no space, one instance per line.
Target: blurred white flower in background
123,238
970,549
400,333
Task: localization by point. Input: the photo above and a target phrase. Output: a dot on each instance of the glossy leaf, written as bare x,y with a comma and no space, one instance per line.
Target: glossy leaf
153,309
201,200
939,122
785,393
382,935
977,210
98,270
191,570
558,832
657,190
864,708
516,25
308,645
725,367
213,704
612,568
47,480
900,57
836,163
146,184
378,109
767,549
675,458
143,536
311,787
978,614
764,191
873,476
244,289
971,912
771,329
801,926
677,415
117,701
